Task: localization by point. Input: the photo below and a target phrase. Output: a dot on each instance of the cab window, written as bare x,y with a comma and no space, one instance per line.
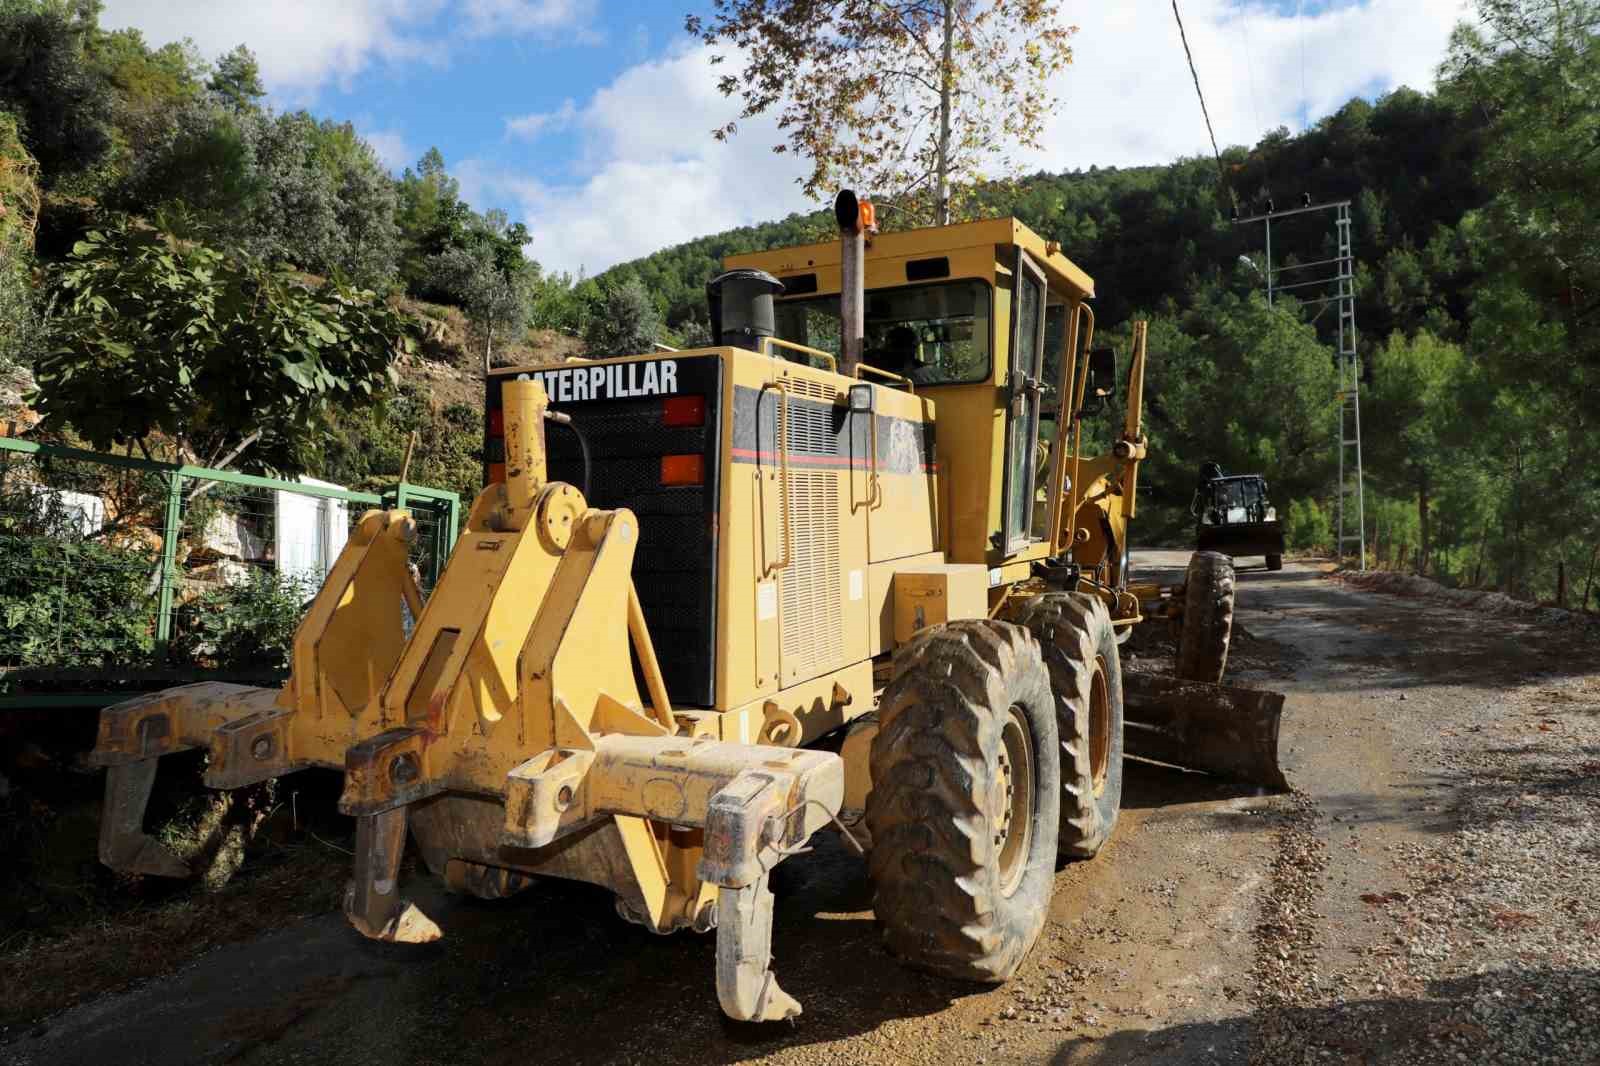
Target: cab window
932,334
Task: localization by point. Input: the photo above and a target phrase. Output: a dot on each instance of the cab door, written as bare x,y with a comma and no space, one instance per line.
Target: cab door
1022,413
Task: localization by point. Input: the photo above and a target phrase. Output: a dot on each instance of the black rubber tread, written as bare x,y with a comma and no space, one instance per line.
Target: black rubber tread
936,801
1207,618
1074,630
1274,562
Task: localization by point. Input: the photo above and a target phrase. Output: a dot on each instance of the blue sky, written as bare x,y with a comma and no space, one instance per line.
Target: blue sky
590,120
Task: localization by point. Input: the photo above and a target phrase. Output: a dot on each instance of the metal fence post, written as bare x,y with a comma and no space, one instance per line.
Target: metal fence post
169,561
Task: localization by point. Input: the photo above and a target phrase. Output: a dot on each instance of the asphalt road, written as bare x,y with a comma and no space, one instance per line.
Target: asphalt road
1152,952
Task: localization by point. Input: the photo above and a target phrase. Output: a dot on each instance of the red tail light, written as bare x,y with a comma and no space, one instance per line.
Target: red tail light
497,472
683,411
683,469
497,422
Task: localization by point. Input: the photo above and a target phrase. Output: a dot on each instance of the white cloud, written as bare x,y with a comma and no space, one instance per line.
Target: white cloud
532,126
1128,97
484,17
304,45
651,173
652,176
391,146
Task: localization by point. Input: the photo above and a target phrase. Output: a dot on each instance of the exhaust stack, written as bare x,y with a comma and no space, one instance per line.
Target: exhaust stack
856,220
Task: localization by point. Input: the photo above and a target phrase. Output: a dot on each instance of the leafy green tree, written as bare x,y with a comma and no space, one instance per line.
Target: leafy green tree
46,81
236,81
208,350
623,322
1412,424
287,188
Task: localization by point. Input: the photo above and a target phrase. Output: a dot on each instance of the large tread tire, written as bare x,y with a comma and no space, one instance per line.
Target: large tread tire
938,801
1075,633
1207,618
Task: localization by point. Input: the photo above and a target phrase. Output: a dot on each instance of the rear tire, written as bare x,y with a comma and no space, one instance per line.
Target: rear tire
965,804
1207,618
1080,648
1274,562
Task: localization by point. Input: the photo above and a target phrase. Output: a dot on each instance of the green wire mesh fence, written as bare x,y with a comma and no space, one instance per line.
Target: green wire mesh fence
120,574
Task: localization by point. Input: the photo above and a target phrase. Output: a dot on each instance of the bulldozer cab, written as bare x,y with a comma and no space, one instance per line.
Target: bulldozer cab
992,324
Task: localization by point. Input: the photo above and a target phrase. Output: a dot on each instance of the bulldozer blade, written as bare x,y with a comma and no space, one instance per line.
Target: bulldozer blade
1229,732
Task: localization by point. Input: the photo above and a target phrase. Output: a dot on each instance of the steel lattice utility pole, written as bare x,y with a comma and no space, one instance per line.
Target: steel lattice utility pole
1338,289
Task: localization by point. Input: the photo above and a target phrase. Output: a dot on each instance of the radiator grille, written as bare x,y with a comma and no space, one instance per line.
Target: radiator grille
809,586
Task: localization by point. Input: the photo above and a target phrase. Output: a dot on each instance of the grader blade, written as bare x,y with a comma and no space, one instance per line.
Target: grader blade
1229,732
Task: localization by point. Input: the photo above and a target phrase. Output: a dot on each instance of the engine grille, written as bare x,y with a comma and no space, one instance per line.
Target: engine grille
674,567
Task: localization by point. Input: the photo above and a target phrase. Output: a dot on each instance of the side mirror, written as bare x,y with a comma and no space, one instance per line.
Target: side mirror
1102,372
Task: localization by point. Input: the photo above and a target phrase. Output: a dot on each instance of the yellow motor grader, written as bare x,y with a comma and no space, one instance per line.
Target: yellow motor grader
850,564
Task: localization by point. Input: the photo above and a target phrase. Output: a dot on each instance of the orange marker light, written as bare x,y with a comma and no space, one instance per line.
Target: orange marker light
683,469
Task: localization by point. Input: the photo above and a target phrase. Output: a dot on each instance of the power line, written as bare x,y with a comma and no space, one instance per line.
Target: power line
1221,174
1305,99
1250,68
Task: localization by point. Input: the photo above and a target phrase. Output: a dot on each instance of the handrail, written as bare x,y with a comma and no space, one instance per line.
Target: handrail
910,385
766,342
783,479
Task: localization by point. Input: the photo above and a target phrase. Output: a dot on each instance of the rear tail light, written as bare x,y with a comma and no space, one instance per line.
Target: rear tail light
497,472
683,411
683,469
497,422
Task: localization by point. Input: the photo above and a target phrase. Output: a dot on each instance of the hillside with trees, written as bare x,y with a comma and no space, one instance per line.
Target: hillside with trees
125,168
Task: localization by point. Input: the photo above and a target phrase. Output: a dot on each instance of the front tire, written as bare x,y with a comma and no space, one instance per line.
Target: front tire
965,804
1080,649
1207,618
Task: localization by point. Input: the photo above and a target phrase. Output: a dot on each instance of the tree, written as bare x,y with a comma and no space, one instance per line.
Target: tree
285,188
207,349
47,83
623,322
903,97
1412,420
237,80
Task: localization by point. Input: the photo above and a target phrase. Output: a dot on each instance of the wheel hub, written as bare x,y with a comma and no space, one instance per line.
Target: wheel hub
1014,825
1099,726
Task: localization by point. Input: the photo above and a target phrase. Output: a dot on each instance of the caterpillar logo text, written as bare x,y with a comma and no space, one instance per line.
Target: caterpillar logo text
617,381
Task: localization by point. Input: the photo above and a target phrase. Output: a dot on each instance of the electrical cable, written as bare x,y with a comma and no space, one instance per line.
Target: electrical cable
1222,175
1305,101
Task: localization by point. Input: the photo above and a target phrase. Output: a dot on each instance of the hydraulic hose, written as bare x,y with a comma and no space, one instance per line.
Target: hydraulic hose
565,420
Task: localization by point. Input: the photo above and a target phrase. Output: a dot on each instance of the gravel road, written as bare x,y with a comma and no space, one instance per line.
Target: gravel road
1430,893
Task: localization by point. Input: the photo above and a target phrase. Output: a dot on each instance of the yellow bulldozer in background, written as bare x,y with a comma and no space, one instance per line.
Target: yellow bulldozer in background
849,565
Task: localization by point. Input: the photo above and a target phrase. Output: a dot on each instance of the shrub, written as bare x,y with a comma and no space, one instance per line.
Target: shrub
248,626
1308,527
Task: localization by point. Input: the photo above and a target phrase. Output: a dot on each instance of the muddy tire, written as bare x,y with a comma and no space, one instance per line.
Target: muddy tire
1274,562
1207,618
1080,649
965,803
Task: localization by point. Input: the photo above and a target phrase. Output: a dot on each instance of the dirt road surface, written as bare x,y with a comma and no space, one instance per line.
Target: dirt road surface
1429,895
